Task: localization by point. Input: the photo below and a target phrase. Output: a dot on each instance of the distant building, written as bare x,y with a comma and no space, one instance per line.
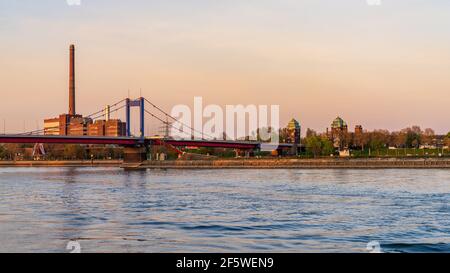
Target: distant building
59,126
115,128
339,125
358,137
293,132
51,127
97,128
64,122
78,126
338,133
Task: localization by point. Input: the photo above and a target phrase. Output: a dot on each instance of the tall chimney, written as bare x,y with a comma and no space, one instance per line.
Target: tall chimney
72,81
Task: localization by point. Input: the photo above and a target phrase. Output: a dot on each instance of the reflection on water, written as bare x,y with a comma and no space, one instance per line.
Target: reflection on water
111,210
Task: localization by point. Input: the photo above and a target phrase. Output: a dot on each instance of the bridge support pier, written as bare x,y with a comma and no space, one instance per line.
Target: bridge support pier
134,155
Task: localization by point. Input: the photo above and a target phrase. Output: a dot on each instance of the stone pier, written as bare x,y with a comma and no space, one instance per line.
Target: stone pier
134,155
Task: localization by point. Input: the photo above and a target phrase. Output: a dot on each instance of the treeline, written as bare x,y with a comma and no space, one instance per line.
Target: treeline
411,137
314,144
59,152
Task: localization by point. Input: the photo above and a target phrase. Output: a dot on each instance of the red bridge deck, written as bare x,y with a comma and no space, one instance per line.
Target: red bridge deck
132,141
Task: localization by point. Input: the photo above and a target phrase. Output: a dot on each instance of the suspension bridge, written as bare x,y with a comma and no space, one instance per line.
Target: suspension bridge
136,147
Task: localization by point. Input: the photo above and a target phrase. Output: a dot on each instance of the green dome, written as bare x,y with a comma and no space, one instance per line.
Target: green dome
338,123
293,124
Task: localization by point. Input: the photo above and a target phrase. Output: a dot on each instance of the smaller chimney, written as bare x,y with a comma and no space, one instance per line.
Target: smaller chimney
108,112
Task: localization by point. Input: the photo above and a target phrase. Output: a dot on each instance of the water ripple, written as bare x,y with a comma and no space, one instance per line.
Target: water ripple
111,210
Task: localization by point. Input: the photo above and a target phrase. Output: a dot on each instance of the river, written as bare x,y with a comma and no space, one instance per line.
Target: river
112,210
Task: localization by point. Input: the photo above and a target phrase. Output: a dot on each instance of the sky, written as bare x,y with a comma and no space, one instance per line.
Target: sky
381,66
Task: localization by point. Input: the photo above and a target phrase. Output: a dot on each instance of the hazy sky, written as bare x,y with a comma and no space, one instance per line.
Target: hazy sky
382,66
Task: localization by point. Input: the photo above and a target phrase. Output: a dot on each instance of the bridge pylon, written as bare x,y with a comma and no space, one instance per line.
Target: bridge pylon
140,102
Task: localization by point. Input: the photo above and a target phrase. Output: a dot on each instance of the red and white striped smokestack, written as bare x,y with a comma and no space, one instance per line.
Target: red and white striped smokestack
72,81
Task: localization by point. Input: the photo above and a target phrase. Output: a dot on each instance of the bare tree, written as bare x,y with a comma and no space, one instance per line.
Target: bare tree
428,136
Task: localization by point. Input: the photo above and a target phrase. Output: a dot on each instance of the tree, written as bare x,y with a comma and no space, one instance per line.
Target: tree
376,144
54,151
428,136
263,134
310,132
72,151
399,139
314,145
327,147
284,135
447,139
11,150
317,146
2,152
379,139
364,140
342,139
413,135
358,140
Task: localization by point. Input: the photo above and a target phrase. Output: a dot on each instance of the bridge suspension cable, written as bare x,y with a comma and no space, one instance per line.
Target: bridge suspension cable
103,110
167,123
163,121
174,119
111,111
115,107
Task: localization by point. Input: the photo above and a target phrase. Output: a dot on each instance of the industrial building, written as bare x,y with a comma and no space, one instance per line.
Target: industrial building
97,128
51,127
73,124
115,127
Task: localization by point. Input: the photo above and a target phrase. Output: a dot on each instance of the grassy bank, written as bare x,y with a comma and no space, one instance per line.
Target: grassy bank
250,163
402,152
284,163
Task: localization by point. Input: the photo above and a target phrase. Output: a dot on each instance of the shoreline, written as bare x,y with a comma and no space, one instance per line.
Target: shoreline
62,163
378,163
339,163
278,163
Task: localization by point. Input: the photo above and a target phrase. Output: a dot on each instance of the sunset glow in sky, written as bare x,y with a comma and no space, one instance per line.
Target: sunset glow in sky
384,66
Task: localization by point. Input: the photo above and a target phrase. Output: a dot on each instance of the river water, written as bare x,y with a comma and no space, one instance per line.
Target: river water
112,210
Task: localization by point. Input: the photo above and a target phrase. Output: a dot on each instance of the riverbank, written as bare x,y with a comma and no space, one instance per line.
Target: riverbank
68,163
338,163
271,163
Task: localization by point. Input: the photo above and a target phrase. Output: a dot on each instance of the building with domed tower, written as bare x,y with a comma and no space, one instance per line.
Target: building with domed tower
338,133
293,132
